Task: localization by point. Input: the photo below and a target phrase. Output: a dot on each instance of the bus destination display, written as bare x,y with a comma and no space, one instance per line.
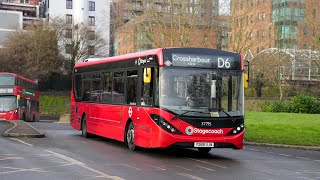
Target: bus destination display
204,61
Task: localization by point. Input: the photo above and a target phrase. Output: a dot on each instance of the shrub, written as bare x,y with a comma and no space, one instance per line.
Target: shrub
304,103
54,105
277,106
266,107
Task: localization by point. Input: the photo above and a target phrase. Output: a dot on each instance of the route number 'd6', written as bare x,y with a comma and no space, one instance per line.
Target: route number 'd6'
223,63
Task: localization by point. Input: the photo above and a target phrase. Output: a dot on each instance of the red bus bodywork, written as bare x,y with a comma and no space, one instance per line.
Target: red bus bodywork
111,120
20,90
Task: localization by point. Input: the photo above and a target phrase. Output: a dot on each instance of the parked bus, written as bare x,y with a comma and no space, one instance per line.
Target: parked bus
189,97
19,98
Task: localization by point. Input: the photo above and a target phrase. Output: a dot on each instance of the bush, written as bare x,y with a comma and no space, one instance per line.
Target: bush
277,106
304,103
54,105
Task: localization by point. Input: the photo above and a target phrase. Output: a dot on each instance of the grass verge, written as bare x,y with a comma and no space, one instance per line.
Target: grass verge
283,128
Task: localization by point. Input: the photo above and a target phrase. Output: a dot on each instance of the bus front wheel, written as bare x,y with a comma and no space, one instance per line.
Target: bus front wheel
204,149
130,137
84,128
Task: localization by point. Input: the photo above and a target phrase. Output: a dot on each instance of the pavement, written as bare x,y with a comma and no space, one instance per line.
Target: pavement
19,128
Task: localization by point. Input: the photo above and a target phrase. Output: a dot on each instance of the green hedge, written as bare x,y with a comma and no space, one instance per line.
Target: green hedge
302,103
54,105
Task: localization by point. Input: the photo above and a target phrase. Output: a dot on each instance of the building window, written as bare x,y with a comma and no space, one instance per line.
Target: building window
92,6
90,50
69,19
47,4
91,35
68,48
91,21
69,4
68,33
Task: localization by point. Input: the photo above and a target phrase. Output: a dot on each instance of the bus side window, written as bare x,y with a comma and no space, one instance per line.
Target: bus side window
86,90
107,87
131,87
78,87
147,89
118,88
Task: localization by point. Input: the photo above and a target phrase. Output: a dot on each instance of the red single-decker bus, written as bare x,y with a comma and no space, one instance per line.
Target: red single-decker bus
189,97
19,98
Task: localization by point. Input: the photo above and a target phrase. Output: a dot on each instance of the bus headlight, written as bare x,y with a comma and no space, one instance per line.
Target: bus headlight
164,124
236,130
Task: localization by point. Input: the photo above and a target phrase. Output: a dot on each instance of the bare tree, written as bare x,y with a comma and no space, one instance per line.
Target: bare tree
77,41
249,27
168,23
33,53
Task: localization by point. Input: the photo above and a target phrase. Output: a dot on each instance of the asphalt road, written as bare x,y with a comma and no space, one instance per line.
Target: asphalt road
64,154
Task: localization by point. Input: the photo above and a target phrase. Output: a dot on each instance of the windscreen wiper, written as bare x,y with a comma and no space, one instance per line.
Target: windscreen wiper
178,115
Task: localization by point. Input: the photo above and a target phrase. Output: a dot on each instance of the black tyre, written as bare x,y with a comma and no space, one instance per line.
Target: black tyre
204,149
84,128
130,137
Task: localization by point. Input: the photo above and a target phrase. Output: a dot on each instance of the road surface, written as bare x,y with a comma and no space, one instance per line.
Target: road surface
64,154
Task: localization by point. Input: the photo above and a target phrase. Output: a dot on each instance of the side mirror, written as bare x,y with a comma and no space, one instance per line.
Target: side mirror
147,75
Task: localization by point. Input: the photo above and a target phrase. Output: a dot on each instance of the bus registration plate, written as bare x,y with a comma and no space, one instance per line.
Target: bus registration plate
203,144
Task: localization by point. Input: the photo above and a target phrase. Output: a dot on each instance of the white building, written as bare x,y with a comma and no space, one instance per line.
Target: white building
13,21
95,13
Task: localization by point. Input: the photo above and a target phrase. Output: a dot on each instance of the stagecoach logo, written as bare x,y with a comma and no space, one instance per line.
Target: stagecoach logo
130,111
190,130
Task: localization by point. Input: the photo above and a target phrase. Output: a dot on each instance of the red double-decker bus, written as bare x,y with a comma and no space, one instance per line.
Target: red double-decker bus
189,97
19,98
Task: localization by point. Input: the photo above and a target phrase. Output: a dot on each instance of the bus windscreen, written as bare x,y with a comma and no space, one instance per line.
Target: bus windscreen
8,103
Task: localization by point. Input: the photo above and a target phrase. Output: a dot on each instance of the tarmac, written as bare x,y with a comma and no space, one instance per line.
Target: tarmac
19,128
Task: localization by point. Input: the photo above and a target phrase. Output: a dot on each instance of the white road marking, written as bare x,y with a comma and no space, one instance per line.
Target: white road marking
159,168
127,165
21,141
302,158
285,155
317,160
22,170
71,160
190,176
6,158
205,168
253,150
184,168
311,172
220,166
